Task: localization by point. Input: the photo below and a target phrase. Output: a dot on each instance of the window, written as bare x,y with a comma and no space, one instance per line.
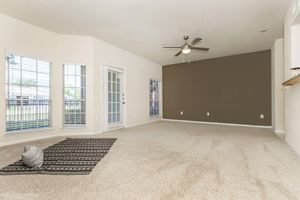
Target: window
74,95
154,98
27,93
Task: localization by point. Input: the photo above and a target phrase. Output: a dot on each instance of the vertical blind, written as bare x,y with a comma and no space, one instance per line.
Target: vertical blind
28,100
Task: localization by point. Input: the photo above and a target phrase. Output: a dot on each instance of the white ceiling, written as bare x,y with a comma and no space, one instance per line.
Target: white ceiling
228,27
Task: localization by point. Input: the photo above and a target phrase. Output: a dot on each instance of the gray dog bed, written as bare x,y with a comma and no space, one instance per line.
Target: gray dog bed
72,156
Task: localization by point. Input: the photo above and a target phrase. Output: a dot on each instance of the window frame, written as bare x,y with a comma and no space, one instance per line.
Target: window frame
50,110
64,125
158,99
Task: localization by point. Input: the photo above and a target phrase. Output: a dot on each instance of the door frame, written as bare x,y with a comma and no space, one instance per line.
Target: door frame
121,70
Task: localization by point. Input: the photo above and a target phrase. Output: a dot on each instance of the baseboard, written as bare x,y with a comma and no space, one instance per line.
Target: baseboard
218,123
51,133
280,133
27,137
152,120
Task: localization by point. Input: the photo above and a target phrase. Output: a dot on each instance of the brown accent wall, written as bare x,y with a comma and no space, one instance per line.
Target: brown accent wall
234,89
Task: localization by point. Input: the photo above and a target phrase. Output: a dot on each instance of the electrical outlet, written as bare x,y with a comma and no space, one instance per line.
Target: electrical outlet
181,112
262,116
207,113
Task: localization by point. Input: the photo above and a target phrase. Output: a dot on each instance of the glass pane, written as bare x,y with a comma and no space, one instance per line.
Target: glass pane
83,70
13,91
118,107
29,78
109,87
29,92
43,79
109,107
79,95
114,87
118,117
13,61
114,77
70,93
83,105
70,70
109,117
114,107
118,87
78,70
70,81
29,64
114,97
14,76
109,76
66,68
43,93
109,97
83,93
83,81
78,81
114,117
43,67
83,118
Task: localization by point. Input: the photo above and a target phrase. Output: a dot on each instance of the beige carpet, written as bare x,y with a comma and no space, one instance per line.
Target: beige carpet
168,160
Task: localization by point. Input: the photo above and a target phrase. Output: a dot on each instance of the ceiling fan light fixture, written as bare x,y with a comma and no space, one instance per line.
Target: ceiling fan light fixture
186,50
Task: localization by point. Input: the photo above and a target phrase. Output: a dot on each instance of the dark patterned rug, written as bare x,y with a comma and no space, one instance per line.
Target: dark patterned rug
72,156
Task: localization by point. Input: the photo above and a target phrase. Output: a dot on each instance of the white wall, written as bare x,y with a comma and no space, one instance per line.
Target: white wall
74,49
277,88
27,40
295,45
292,94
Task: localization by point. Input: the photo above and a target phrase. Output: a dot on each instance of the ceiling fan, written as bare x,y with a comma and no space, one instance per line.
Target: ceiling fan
186,48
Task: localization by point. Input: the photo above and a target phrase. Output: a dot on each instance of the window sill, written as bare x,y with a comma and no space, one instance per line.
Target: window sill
74,127
13,133
155,117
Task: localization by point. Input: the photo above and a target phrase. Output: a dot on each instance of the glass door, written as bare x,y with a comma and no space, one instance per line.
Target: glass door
115,99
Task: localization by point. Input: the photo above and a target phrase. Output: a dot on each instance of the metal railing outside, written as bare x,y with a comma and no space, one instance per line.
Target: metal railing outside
74,112
22,114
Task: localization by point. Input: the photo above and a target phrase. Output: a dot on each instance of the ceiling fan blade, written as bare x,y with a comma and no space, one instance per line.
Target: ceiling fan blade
195,41
177,54
173,47
200,48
